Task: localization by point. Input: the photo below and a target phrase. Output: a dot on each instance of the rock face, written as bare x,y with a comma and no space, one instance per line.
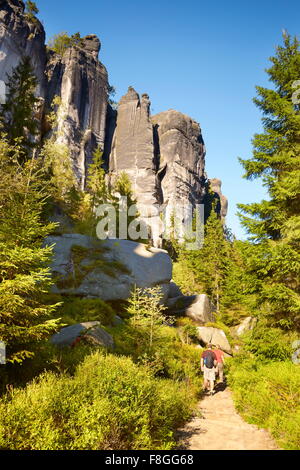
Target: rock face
81,82
133,148
196,307
18,37
201,310
163,155
214,336
132,152
90,331
216,186
181,157
109,270
246,325
77,77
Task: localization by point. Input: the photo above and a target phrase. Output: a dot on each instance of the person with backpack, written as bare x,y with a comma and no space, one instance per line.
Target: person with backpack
221,361
208,365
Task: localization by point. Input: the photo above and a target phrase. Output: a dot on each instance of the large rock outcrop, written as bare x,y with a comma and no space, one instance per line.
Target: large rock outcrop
216,337
163,155
85,266
133,148
132,152
181,159
77,77
81,81
20,37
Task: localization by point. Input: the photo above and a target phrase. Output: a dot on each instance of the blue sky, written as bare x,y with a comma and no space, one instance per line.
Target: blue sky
201,58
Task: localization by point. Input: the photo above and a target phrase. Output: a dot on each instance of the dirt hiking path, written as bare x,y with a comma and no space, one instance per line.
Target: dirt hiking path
220,427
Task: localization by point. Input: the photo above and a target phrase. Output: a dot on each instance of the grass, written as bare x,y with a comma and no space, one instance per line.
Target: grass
268,394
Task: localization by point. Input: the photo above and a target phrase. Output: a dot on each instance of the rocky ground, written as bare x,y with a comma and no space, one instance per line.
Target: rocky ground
217,426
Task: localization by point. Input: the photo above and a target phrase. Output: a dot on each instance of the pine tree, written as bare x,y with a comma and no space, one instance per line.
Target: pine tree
123,188
209,264
19,111
61,42
213,259
96,184
238,294
83,204
146,310
31,10
24,263
274,224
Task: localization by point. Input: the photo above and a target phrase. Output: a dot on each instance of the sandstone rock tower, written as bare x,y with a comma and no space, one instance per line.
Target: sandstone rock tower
163,155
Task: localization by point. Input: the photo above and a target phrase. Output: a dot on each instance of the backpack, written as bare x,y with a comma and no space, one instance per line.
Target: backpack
209,360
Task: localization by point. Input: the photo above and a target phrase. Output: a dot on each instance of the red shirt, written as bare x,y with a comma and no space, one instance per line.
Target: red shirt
219,355
208,352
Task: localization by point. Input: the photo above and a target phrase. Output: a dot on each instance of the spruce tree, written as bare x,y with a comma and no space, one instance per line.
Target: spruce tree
238,293
123,188
96,184
274,224
25,316
19,110
213,259
209,264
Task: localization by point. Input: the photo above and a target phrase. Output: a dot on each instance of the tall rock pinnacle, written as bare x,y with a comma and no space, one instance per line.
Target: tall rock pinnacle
81,82
181,154
133,147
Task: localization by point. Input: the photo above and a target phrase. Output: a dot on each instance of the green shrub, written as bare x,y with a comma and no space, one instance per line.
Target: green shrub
168,358
185,278
268,343
62,41
77,310
187,330
109,404
47,357
268,395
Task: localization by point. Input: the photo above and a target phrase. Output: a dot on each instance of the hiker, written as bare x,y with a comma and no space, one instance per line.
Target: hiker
208,367
220,362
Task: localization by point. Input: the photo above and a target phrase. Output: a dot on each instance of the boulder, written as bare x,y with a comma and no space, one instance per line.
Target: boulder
214,336
107,269
201,310
179,305
246,325
174,290
197,307
89,330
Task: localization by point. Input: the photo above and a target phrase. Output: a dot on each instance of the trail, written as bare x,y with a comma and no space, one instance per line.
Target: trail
220,427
